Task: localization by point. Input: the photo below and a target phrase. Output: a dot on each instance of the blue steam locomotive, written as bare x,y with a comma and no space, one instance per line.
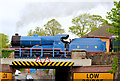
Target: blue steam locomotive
53,46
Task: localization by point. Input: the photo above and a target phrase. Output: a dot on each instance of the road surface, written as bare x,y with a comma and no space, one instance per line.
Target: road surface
21,77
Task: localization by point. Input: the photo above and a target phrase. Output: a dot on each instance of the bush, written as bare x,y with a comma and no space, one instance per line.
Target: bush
115,66
54,71
47,71
6,53
21,69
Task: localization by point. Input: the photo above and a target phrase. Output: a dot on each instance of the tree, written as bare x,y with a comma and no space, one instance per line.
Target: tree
114,66
30,33
114,17
3,40
85,23
95,22
38,30
53,27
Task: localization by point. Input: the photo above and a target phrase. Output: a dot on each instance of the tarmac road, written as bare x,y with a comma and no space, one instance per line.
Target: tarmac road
21,77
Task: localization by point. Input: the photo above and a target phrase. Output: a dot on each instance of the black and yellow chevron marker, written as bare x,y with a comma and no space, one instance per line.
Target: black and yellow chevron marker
31,63
57,63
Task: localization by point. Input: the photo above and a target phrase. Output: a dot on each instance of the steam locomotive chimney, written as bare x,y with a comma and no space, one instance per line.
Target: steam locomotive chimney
16,34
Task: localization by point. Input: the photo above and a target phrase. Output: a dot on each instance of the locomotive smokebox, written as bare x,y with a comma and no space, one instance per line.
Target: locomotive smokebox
15,41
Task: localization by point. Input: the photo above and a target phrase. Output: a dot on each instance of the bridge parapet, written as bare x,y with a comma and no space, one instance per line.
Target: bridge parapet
77,62
6,60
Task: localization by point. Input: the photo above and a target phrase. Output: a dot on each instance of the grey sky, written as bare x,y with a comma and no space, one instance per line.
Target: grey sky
22,15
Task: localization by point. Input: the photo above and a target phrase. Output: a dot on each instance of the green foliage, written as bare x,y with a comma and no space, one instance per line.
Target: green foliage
85,23
53,27
93,28
3,40
47,71
21,69
114,66
54,72
95,22
114,17
110,53
6,52
38,30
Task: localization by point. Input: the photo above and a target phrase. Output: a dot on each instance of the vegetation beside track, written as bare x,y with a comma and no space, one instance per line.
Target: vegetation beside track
5,53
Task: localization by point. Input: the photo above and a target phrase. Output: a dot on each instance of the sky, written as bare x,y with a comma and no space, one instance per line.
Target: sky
19,16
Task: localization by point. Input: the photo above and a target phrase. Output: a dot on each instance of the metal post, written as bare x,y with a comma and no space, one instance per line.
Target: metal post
53,52
20,52
30,52
41,52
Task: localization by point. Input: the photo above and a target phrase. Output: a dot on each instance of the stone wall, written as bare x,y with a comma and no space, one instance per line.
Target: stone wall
101,59
97,59
6,60
5,68
78,54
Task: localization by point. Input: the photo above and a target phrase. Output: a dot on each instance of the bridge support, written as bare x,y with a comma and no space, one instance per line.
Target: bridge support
63,74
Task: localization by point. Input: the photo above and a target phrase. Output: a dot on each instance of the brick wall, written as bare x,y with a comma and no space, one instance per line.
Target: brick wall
5,67
92,69
101,59
100,68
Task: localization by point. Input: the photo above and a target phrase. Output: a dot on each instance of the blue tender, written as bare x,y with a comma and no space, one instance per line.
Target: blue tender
90,44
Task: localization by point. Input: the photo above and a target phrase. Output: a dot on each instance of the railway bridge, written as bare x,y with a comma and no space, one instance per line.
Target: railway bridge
67,69
64,67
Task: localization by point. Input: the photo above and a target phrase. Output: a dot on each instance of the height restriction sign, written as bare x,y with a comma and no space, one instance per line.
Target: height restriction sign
38,59
92,77
47,59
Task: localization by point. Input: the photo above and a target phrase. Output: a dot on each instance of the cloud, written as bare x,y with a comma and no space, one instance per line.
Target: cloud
36,12
22,15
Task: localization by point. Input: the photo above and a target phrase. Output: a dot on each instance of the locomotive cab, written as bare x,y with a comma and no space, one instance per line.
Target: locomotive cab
64,40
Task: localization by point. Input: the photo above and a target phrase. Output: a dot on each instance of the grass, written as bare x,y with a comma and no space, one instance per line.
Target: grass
21,69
